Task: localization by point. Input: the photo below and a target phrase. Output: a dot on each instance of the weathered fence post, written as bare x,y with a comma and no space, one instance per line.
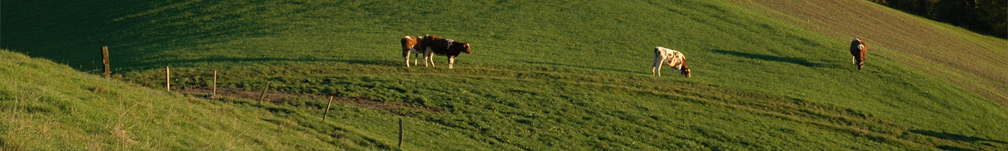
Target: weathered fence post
214,94
327,109
264,92
105,61
168,78
400,132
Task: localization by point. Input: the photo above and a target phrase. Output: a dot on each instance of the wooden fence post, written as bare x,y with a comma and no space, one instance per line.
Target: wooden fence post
264,92
168,78
214,94
327,109
105,61
400,132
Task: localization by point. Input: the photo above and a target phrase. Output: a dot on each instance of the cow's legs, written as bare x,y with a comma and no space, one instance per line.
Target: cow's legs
451,61
431,58
659,69
407,56
654,65
414,59
426,57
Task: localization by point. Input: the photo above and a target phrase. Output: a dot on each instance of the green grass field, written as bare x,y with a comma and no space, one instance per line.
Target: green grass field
969,60
542,76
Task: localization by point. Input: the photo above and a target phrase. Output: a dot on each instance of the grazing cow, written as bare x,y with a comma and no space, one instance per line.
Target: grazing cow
858,50
444,47
412,45
673,58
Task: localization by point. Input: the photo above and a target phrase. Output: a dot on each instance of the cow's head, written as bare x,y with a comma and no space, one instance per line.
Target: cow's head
860,64
685,71
466,46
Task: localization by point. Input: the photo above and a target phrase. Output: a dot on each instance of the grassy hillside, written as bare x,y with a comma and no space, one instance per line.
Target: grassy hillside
543,75
969,60
48,106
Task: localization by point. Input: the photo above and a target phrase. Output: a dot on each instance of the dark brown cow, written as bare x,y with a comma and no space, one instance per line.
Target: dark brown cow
858,50
444,47
412,45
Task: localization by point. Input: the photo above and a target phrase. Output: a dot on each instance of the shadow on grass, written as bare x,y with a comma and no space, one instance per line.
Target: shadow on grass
792,60
265,60
950,136
953,148
576,66
131,30
379,62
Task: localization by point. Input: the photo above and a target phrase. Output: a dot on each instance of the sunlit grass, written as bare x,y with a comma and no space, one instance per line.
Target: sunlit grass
542,76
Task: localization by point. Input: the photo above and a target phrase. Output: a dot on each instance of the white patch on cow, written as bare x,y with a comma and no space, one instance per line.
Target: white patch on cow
451,62
861,47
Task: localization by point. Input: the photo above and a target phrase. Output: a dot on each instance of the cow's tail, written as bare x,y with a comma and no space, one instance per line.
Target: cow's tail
405,49
657,58
657,52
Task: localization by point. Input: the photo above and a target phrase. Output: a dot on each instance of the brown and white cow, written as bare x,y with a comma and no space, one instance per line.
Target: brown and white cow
412,45
673,58
444,47
858,50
